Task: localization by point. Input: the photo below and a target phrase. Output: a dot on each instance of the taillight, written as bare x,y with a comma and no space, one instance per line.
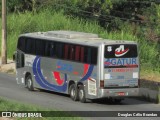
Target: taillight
101,84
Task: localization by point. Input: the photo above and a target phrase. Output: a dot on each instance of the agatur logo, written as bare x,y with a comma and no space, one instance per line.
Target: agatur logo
120,51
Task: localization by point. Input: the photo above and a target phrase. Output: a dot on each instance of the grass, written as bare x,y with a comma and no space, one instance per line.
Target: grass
7,105
47,20
149,75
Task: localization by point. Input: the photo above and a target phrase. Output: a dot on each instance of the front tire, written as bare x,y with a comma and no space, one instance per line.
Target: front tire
81,93
29,83
73,92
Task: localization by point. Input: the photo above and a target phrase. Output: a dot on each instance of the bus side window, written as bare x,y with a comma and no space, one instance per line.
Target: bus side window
40,47
47,49
77,53
85,55
66,50
94,56
59,50
89,55
52,49
21,44
72,52
30,46
82,54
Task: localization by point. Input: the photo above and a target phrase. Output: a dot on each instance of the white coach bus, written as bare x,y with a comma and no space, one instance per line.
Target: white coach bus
79,64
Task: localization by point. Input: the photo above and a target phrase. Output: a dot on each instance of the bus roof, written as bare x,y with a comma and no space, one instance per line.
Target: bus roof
74,37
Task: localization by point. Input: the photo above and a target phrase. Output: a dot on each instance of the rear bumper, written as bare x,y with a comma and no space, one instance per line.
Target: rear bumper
125,92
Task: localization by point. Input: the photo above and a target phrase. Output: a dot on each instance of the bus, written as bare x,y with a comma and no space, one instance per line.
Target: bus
79,64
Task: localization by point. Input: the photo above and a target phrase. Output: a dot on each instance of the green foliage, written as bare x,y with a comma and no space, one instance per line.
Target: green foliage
113,19
47,20
12,4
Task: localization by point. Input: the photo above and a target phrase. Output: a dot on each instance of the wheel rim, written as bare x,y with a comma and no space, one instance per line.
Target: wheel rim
73,92
81,94
29,83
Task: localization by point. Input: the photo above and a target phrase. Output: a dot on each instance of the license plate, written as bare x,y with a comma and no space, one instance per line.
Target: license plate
121,94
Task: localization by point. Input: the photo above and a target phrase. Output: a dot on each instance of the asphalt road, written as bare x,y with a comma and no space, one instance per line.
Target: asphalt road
10,90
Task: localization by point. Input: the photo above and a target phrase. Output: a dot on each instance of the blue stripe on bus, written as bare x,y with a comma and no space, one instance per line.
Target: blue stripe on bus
36,75
43,82
90,70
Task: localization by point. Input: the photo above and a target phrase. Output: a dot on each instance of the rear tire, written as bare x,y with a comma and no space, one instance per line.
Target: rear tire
29,83
73,92
81,93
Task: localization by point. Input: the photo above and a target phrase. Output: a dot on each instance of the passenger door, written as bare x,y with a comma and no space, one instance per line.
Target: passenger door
19,59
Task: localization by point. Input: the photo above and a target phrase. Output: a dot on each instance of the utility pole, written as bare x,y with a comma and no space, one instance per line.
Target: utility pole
4,34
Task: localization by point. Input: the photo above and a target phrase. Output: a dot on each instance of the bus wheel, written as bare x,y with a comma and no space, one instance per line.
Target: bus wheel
29,83
81,93
73,92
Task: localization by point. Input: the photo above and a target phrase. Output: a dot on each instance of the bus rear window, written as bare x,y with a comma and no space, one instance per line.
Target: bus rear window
120,51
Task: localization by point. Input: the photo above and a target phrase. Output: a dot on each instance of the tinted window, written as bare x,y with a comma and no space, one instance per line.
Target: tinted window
72,52
83,54
21,44
77,53
40,47
66,51
90,55
59,50
30,46
94,55
120,51
47,48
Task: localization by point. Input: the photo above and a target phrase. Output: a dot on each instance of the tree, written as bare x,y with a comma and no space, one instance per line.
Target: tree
4,35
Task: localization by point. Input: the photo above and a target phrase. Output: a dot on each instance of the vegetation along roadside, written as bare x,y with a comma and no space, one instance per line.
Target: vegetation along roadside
110,19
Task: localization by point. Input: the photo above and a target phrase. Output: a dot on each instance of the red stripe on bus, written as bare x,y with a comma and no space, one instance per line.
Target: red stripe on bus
116,52
58,78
